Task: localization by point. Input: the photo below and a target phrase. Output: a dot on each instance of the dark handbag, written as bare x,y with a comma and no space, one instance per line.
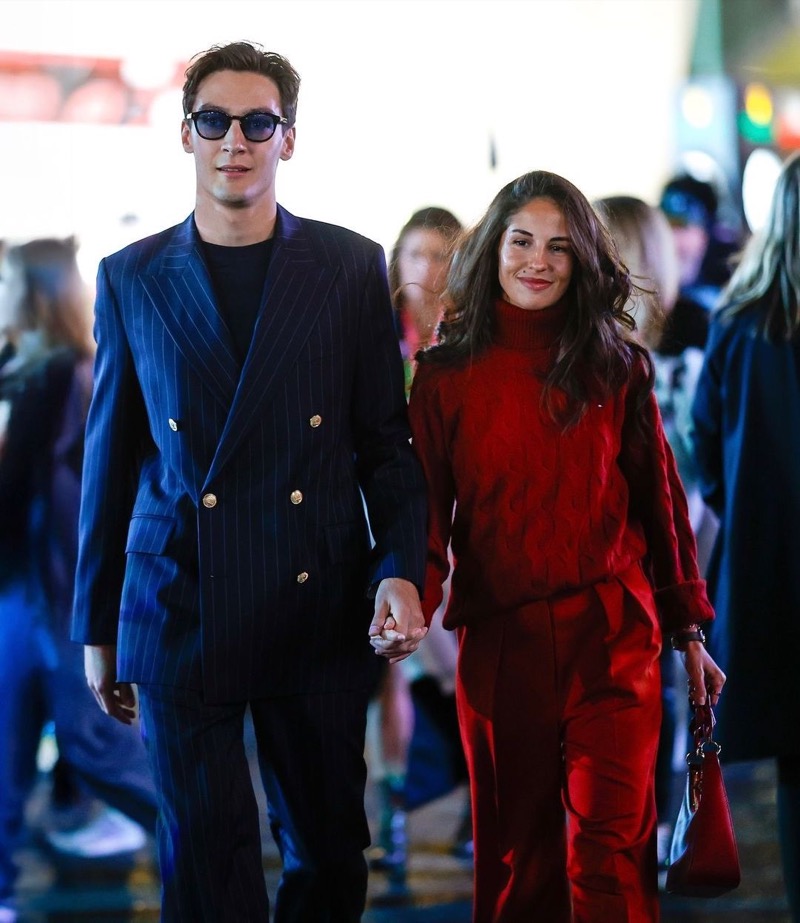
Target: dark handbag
703,858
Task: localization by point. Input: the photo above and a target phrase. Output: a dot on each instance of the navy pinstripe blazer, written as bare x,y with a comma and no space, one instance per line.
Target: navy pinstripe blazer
223,539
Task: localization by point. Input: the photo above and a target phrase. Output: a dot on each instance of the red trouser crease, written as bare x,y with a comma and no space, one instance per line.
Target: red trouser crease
560,707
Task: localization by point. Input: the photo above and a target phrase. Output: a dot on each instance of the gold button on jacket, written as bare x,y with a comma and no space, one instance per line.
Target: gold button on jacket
209,501
301,578
315,420
173,425
296,497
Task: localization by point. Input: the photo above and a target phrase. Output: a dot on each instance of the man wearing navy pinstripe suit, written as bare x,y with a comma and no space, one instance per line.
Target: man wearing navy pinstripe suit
248,406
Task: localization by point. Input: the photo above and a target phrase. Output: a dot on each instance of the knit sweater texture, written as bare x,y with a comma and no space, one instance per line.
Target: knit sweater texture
533,510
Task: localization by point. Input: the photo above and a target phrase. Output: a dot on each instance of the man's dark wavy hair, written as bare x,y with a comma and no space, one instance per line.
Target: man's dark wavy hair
246,57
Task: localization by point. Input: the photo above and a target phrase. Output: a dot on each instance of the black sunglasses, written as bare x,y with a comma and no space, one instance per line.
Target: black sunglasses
212,124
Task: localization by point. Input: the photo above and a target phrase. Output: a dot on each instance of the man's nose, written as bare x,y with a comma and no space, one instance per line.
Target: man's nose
234,139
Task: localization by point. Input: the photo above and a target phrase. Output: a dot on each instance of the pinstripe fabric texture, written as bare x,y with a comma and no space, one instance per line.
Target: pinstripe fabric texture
310,751
224,545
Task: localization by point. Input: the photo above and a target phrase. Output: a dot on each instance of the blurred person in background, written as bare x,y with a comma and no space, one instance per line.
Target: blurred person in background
647,247
534,417
705,245
45,387
7,348
418,266
747,438
691,208
415,702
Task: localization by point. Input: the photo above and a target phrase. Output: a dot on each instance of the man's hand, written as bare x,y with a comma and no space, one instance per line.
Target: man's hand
398,625
116,699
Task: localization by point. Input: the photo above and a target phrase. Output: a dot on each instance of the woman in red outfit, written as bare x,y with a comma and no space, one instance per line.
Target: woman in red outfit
534,416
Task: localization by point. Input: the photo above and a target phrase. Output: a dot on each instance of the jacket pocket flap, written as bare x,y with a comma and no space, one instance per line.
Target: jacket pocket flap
149,534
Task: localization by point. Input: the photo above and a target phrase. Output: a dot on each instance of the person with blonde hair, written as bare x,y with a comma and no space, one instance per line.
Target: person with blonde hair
747,438
643,237
646,245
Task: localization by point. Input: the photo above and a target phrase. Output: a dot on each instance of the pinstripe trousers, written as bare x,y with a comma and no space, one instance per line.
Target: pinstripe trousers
310,753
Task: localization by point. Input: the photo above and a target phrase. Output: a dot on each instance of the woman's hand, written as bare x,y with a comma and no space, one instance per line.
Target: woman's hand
705,677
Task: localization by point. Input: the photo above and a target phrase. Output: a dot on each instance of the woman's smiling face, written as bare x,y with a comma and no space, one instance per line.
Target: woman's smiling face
535,256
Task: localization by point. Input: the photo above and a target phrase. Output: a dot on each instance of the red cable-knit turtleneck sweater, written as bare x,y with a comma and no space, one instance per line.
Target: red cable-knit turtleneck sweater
534,510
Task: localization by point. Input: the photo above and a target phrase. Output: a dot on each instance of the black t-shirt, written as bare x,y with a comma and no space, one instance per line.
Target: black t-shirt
238,275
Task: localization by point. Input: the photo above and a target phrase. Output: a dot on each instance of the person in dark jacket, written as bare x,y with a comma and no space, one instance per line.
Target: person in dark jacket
252,528
747,440
44,387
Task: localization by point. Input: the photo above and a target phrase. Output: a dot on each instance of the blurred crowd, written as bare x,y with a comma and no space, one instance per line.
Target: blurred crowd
739,472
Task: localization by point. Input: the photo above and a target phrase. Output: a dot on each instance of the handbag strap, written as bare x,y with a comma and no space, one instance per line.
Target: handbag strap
702,728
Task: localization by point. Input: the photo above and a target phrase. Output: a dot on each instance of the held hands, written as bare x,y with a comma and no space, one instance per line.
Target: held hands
116,699
705,677
398,625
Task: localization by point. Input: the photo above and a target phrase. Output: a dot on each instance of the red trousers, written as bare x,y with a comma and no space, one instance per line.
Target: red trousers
560,707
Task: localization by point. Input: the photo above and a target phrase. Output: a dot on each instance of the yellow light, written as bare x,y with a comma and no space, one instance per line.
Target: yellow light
697,106
758,104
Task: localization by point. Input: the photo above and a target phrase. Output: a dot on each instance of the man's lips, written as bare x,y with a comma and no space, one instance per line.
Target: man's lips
233,170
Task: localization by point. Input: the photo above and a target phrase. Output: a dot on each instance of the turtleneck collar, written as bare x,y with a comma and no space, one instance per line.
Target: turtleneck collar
516,328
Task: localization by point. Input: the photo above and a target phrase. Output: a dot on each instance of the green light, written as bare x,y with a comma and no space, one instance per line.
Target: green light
753,132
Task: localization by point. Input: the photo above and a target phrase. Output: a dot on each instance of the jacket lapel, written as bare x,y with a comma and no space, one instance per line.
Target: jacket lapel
296,288
181,293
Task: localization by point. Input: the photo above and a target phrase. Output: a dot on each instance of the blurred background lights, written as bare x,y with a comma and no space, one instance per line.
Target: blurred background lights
697,106
28,97
166,111
701,165
755,116
758,184
99,100
788,130
791,114
758,104
147,72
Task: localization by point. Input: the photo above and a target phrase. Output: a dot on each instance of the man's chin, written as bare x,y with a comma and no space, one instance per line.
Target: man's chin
233,201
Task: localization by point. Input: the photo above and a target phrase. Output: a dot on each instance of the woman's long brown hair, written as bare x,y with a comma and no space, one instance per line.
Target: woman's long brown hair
595,355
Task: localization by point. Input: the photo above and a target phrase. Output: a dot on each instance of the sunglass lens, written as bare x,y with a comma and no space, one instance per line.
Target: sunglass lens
212,125
258,126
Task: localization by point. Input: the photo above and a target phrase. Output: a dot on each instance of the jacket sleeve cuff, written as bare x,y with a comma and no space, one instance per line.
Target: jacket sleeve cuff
682,605
386,570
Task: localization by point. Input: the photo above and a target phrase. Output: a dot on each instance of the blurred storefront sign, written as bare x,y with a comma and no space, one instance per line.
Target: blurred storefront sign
53,88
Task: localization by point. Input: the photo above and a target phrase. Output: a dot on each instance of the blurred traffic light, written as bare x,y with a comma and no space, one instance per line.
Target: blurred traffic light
755,117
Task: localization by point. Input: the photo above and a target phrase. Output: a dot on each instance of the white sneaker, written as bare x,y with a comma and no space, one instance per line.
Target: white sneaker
109,834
